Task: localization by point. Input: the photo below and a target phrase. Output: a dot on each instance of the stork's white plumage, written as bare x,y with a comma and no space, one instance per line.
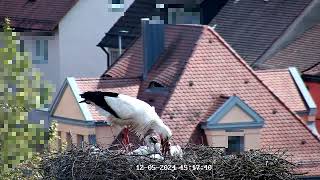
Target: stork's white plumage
151,147
176,151
138,115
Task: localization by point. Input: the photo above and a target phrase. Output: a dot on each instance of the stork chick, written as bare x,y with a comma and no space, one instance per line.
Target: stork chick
151,147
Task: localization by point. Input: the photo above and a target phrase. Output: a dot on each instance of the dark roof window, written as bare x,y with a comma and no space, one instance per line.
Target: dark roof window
156,87
154,84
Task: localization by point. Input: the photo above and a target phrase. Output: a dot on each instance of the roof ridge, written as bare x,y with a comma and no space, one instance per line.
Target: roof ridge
272,70
256,76
106,79
256,61
313,66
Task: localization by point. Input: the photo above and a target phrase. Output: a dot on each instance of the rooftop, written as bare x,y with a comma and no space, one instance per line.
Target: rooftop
36,15
196,67
303,53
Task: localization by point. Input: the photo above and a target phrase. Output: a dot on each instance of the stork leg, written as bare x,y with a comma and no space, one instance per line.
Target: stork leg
126,136
165,148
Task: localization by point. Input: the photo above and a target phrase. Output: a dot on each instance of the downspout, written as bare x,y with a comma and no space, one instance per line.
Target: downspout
120,45
108,55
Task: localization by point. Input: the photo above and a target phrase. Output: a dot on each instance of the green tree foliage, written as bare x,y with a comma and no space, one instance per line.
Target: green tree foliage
21,90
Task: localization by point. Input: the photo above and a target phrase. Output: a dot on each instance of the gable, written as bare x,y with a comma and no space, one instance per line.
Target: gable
234,113
68,106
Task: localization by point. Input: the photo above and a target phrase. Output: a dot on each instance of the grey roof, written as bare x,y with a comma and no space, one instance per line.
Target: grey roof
131,22
252,26
303,52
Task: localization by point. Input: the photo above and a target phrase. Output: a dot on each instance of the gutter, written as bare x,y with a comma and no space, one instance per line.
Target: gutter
303,91
77,122
108,56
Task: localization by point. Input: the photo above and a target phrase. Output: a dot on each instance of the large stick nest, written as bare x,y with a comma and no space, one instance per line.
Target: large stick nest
198,162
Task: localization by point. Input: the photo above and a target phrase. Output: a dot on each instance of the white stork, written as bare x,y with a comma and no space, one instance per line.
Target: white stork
133,113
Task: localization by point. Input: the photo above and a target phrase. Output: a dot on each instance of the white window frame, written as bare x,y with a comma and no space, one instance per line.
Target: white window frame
40,51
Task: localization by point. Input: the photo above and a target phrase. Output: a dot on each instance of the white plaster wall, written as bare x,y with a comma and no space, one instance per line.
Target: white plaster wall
80,31
50,71
68,107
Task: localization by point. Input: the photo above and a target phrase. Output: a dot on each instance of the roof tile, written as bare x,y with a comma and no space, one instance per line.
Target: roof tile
38,15
214,68
283,85
303,53
251,27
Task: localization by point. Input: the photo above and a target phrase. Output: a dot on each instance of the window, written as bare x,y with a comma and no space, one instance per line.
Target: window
80,140
156,87
235,145
183,16
92,139
40,52
116,5
114,54
20,46
154,84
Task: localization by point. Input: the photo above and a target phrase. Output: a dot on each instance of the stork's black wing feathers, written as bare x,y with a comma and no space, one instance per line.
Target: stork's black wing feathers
110,94
106,107
98,98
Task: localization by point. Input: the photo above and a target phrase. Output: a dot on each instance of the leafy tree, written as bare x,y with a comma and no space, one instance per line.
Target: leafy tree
21,90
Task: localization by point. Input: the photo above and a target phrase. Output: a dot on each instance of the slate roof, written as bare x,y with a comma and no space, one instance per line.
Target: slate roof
303,53
313,70
131,22
198,69
36,15
124,86
251,27
283,85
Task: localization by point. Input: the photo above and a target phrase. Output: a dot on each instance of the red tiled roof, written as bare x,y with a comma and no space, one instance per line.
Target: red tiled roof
221,70
303,53
124,86
283,85
38,15
213,68
204,65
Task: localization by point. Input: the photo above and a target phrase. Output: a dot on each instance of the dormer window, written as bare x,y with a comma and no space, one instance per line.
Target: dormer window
154,84
234,126
156,87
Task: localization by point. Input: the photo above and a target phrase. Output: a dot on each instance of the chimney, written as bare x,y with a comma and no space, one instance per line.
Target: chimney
153,42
